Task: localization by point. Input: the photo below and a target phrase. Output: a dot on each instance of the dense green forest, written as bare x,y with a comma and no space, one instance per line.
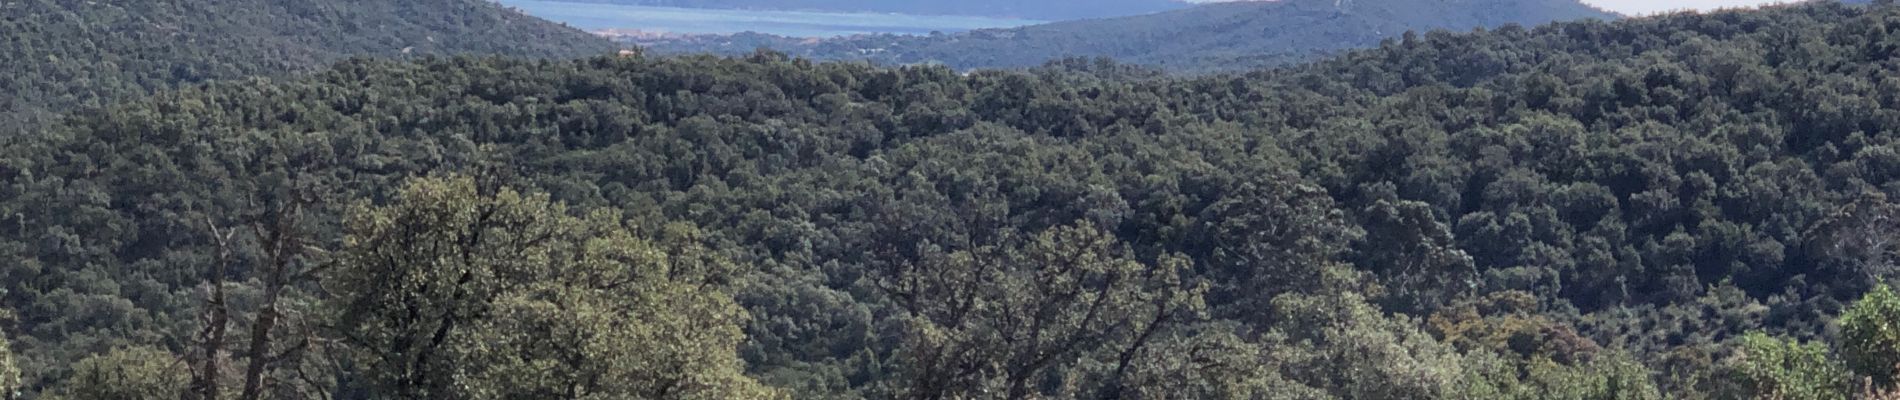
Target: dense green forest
1047,10
61,55
1687,206
1235,36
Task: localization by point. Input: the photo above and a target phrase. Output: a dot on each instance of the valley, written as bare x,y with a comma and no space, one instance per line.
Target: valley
1296,200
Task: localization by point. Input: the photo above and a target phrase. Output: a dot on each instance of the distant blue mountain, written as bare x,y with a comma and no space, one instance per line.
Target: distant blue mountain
1047,10
1206,38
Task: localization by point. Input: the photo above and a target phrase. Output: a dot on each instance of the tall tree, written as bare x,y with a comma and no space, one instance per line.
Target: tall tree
1870,336
1272,234
269,247
1774,368
133,373
1415,256
9,373
215,316
997,319
447,293
1864,237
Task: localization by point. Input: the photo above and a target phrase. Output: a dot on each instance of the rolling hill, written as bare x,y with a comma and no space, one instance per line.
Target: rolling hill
61,54
1212,37
1691,206
1048,10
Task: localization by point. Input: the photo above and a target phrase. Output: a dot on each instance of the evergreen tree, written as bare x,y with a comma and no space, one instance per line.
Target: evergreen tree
1774,368
1870,336
448,293
134,373
1002,319
9,372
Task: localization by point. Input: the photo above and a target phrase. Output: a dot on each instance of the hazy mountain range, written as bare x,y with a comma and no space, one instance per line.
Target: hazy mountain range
1047,10
1210,37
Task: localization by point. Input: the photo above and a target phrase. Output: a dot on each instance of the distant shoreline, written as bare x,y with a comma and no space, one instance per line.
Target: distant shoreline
650,22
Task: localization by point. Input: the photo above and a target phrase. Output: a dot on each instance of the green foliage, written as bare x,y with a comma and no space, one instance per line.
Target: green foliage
133,373
9,371
999,319
1417,256
1774,368
1556,196
1340,344
1206,361
64,54
1508,323
1607,378
447,293
1270,236
1613,376
1870,335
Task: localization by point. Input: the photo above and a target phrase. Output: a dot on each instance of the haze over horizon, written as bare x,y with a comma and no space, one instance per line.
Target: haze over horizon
1640,7
1643,7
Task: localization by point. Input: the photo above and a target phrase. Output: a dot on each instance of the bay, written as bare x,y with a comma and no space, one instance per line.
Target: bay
694,21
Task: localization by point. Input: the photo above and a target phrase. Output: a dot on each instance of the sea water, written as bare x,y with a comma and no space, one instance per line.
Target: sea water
674,20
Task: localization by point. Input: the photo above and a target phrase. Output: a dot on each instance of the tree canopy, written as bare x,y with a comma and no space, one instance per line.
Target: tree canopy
1579,210
9,372
451,294
66,55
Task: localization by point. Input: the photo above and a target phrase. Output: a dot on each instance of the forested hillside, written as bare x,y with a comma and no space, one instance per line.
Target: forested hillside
63,54
1689,206
1048,10
1235,36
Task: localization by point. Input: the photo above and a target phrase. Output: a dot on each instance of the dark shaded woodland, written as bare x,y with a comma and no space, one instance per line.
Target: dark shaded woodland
1686,206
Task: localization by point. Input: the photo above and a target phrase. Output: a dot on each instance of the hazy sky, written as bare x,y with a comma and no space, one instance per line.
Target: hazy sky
1640,7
